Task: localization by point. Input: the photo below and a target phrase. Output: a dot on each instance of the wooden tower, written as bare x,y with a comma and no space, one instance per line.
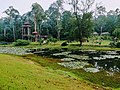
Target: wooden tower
26,32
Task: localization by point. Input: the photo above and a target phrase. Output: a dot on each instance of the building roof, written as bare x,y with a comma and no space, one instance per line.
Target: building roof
26,24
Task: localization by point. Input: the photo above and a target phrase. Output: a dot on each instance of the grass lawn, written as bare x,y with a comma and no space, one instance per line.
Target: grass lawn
75,45
18,73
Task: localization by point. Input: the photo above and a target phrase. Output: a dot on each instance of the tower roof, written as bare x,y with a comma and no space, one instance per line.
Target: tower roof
26,24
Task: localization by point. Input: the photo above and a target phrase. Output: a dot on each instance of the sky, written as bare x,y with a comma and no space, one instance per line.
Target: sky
24,6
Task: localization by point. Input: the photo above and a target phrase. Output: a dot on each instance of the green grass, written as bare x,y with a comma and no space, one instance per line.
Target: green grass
18,73
35,73
74,45
100,78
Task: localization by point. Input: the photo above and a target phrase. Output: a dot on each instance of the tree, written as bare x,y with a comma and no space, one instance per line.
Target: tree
100,9
80,10
100,18
53,17
12,13
38,13
67,23
116,33
57,8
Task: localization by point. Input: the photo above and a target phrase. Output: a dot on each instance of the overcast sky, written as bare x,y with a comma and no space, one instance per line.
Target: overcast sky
25,5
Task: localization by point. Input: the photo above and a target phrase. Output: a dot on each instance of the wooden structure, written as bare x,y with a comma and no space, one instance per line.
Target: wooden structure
26,32
36,35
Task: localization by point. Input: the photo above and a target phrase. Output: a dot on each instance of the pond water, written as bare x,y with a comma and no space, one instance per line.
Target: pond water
89,60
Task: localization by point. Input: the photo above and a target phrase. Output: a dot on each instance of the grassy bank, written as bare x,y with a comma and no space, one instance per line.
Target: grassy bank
18,73
74,46
100,78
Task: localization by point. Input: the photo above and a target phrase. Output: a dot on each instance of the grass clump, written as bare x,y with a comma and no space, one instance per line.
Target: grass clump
20,42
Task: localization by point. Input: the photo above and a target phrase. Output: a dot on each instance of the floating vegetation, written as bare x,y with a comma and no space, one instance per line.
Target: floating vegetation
101,60
93,70
80,57
74,65
62,53
67,59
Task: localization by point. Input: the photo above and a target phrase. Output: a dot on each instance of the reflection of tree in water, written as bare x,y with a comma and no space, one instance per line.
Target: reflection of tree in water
110,65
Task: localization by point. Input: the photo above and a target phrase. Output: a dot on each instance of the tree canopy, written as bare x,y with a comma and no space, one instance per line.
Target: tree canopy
75,24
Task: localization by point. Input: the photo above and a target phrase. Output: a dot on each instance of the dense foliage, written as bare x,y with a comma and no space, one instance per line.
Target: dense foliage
20,42
61,24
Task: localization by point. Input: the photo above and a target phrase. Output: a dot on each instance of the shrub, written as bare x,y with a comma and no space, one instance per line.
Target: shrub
115,44
112,44
41,41
20,42
53,39
64,44
118,44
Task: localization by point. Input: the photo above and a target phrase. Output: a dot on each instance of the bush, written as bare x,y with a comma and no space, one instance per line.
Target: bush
20,42
54,40
115,44
112,44
118,44
41,41
64,44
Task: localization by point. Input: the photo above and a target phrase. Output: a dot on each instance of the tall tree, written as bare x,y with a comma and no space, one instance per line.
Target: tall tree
38,12
12,13
80,9
66,20
58,10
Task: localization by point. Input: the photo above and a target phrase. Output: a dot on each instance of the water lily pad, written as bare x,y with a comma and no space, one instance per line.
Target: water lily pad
80,57
94,70
67,59
62,53
74,65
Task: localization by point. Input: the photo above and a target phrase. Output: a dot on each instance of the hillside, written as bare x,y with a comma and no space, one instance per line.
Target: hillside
17,73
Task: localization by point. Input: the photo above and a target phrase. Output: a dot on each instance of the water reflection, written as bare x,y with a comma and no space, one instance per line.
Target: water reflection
109,65
102,60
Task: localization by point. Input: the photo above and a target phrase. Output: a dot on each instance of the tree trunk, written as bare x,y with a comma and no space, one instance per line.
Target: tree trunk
80,42
35,27
79,29
58,35
4,32
14,33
